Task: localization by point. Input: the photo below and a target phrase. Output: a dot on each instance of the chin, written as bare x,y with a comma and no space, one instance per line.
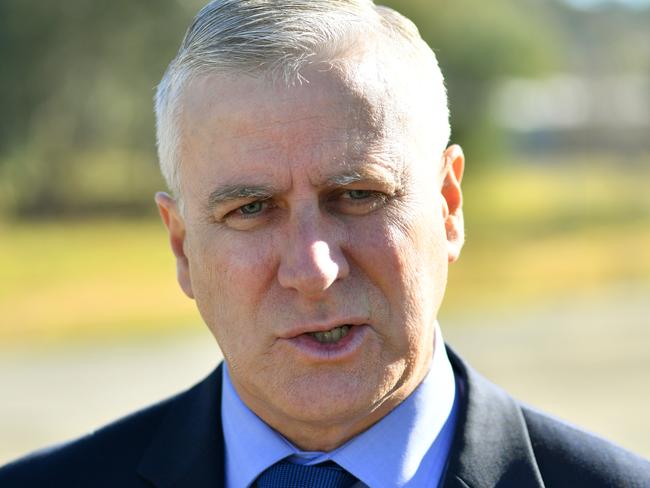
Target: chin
340,397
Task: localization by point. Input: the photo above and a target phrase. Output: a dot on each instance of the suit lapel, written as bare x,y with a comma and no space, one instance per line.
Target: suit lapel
491,446
188,448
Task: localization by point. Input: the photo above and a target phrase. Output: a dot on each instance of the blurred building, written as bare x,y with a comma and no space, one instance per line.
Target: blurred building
574,112
597,100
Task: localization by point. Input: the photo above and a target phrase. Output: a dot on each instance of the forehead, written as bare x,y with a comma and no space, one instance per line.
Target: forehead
335,119
358,94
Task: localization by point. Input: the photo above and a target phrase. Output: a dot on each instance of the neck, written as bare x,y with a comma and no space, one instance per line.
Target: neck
314,434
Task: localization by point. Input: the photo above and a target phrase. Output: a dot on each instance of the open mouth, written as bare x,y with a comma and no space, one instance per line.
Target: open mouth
343,342
331,336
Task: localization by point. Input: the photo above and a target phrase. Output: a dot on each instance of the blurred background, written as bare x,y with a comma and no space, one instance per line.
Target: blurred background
549,98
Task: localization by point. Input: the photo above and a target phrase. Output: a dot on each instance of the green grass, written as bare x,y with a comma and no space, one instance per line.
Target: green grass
76,280
547,231
523,272
533,234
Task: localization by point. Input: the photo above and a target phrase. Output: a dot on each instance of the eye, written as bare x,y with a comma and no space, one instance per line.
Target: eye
358,202
363,197
249,215
359,194
252,208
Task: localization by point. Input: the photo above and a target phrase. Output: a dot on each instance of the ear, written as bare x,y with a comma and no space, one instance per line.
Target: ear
175,224
453,164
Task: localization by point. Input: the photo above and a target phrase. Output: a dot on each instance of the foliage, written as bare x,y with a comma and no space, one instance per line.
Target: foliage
78,78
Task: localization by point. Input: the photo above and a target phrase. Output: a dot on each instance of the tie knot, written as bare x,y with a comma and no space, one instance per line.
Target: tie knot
288,475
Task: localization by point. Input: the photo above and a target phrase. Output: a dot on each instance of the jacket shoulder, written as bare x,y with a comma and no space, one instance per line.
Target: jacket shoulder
570,457
106,457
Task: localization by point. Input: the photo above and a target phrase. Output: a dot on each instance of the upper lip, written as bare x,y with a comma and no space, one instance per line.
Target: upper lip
320,327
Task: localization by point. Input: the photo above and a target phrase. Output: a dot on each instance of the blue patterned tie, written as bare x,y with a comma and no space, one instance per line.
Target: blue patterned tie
288,475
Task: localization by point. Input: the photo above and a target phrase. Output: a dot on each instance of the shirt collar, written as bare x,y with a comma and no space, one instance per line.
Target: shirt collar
251,445
406,447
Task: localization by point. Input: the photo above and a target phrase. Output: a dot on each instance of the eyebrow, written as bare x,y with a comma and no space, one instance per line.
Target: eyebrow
343,179
364,173
236,192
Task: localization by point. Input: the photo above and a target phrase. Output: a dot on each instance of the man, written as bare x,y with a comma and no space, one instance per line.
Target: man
315,209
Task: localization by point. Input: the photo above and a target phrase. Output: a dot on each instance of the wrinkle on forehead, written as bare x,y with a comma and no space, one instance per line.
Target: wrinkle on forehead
360,83
355,115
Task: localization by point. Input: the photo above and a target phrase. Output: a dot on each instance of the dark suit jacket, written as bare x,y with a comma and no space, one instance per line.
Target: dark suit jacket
179,443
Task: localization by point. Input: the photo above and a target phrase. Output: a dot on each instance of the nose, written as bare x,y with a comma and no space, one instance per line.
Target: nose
312,259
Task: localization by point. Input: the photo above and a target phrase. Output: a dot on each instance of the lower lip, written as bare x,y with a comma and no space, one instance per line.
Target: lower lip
343,349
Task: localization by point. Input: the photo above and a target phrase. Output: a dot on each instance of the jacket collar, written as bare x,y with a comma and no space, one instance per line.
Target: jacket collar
187,449
491,446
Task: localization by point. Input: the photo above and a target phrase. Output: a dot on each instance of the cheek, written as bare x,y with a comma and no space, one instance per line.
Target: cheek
406,242
229,273
405,256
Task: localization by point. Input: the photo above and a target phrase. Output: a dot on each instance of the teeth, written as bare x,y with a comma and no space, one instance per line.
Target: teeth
331,336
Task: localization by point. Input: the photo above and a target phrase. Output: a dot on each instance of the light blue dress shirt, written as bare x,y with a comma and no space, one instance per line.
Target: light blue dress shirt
406,448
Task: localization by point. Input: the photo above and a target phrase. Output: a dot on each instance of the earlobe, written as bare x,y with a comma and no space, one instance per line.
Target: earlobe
171,217
453,167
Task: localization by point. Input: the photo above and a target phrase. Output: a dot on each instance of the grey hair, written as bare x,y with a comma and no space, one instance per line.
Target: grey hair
277,39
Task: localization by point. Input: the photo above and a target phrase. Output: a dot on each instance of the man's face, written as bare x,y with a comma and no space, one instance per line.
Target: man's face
315,240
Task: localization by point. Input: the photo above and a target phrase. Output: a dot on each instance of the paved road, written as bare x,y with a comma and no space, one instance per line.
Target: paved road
584,360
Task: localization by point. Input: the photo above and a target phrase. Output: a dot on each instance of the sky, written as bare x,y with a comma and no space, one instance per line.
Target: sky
597,3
